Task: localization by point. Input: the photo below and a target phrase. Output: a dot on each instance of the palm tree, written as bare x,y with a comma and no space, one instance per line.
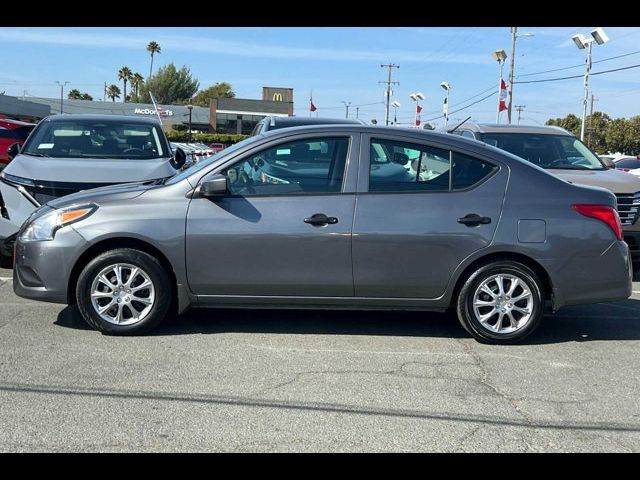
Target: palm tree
136,82
125,74
113,92
152,48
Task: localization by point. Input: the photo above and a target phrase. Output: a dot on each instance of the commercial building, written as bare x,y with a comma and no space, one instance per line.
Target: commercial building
224,115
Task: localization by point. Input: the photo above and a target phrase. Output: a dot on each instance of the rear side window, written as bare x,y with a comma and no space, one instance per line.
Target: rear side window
20,133
469,171
631,163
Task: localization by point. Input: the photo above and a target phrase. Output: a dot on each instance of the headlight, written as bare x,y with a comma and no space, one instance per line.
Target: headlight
46,226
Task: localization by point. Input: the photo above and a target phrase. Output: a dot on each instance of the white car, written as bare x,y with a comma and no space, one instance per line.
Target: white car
628,164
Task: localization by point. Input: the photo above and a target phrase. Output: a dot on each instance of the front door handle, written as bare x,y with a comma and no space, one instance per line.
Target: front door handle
319,219
473,219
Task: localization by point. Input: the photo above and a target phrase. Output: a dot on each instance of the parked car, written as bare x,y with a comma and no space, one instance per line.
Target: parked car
272,221
12,132
561,153
273,122
217,147
68,153
628,164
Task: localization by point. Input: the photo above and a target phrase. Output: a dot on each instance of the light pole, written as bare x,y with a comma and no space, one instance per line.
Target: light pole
416,97
500,56
346,104
190,107
514,36
395,105
62,92
447,88
600,37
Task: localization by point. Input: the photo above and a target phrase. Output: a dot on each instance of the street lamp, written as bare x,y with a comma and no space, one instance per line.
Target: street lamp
416,97
500,56
447,88
514,36
395,105
347,105
190,107
62,92
600,37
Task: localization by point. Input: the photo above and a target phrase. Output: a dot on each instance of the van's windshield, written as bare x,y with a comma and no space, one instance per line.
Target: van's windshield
561,152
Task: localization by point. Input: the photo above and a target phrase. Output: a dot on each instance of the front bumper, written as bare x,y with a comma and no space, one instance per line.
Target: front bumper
632,238
42,269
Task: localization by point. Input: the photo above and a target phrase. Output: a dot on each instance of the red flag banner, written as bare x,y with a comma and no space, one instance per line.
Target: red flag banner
312,107
418,108
503,96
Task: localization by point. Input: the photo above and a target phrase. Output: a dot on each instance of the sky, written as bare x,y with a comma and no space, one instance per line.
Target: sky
340,64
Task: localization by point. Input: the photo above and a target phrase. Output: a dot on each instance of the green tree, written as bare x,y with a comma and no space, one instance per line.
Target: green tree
623,135
170,86
125,74
113,92
136,82
75,94
596,128
219,90
152,48
570,123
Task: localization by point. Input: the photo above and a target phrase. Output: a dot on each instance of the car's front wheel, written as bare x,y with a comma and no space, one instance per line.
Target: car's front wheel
124,292
501,302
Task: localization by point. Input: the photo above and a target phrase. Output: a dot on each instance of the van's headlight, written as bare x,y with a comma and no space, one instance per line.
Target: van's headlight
45,227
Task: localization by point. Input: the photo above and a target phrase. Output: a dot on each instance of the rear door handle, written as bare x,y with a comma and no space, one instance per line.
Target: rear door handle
473,219
319,219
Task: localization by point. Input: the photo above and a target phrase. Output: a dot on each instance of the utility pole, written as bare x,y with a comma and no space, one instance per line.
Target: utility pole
62,85
357,112
519,108
347,108
593,99
514,31
104,93
388,94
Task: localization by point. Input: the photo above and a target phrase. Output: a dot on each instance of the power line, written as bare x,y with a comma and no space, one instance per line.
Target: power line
580,76
577,66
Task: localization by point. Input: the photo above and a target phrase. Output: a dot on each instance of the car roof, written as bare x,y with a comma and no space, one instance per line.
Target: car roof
92,117
296,121
16,123
499,128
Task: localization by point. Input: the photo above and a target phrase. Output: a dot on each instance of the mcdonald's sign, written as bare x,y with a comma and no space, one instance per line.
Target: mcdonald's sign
277,97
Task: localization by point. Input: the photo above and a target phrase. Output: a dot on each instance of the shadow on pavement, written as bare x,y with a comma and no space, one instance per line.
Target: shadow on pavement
605,321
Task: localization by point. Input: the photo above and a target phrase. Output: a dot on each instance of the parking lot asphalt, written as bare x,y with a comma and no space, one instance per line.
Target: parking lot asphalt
274,380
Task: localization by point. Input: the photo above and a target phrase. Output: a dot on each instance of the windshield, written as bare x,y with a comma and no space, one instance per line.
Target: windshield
83,138
202,164
560,152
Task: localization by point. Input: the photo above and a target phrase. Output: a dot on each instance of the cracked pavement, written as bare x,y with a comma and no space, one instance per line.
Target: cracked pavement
273,380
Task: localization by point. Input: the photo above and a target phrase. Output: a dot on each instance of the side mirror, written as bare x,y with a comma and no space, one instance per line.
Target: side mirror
179,158
608,163
215,186
13,151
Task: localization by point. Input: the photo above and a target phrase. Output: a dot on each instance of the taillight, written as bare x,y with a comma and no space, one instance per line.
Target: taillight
604,213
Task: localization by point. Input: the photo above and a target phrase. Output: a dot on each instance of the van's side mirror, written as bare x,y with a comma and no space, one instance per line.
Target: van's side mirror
214,186
179,158
608,163
13,151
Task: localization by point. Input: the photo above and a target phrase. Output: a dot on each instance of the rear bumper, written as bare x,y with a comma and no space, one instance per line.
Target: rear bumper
581,280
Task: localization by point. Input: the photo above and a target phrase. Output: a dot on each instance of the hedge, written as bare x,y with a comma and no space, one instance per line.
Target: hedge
225,138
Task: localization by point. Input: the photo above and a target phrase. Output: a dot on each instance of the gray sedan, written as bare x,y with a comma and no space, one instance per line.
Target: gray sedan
342,216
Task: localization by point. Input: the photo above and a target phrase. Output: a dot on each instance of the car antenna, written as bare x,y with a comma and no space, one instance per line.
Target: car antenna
460,124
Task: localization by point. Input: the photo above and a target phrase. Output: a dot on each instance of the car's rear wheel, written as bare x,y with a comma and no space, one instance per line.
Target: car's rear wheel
501,302
124,292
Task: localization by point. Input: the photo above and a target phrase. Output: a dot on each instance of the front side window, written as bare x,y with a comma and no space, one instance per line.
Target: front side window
398,166
97,139
301,167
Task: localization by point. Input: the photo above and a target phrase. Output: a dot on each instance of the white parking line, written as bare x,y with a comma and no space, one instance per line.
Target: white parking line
6,279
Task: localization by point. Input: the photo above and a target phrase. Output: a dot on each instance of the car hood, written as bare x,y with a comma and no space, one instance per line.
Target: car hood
125,191
613,180
81,170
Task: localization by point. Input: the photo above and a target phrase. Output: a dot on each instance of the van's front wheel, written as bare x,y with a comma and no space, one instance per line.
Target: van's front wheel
124,292
501,303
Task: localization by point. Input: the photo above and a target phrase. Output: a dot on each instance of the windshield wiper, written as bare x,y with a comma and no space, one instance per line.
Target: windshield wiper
36,154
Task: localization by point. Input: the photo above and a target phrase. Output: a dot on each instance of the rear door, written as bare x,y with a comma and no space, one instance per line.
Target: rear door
410,230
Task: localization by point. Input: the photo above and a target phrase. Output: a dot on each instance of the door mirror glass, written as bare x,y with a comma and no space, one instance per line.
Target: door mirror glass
13,151
215,185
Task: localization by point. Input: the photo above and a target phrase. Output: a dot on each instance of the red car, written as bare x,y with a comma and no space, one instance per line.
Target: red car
216,147
12,131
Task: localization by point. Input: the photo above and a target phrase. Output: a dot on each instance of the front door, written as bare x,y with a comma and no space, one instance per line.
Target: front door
283,230
410,231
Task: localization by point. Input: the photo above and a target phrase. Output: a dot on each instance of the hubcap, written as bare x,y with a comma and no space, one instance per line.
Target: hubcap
503,303
122,294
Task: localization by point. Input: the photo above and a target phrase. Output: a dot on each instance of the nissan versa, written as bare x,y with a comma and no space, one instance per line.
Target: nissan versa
334,216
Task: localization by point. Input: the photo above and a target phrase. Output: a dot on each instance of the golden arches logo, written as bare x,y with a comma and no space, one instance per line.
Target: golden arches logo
277,97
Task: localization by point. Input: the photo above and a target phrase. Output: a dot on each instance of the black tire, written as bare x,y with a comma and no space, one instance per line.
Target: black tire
156,273
469,319
6,262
